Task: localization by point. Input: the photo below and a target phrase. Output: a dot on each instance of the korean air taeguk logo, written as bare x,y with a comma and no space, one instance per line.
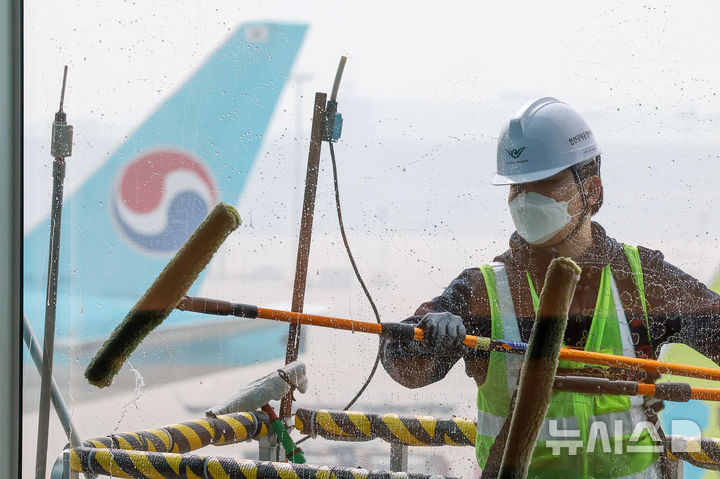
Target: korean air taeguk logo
159,198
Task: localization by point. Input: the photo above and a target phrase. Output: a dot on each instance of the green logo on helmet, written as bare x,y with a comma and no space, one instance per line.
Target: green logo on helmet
516,153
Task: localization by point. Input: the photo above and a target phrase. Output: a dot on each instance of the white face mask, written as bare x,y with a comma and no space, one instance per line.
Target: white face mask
538,218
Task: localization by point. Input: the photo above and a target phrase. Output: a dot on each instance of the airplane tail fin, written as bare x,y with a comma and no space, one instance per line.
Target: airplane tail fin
196,149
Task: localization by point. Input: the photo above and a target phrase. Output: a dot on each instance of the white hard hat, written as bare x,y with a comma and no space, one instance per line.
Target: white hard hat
545,137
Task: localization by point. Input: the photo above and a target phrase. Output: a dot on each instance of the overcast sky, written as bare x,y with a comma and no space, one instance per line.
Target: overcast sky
425,92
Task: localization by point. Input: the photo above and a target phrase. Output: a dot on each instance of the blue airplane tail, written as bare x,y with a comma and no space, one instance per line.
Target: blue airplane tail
123,225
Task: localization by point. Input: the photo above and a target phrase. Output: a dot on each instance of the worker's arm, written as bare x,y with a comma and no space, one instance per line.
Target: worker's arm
414,364
681,308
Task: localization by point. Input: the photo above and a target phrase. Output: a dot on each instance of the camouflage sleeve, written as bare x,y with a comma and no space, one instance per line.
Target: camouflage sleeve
408,362
680,308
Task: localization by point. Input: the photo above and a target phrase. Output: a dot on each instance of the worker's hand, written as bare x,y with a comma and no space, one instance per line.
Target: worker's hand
443,334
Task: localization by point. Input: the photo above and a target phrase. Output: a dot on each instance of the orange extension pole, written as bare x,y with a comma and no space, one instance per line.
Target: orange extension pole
408,332
670,391
702,394
649,365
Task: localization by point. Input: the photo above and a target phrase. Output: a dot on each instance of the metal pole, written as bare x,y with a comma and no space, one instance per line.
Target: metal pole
50,309
60,407
306,223
269,448
11,151
61,148
398,457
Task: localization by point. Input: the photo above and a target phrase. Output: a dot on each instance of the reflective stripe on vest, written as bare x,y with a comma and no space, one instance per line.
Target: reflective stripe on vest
511,331
609,332
490,424
633,256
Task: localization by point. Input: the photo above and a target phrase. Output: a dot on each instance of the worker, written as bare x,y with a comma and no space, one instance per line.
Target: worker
628,301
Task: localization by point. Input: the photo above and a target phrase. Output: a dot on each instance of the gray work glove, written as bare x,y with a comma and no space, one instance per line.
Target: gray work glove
444,334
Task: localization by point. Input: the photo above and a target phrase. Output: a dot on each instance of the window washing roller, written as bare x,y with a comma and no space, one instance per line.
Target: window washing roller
164,294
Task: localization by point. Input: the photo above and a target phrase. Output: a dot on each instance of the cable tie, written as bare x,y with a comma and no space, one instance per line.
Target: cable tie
313,434
283,375
258,427
292,453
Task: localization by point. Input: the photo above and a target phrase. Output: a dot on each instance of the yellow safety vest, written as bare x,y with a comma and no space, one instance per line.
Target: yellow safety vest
583,435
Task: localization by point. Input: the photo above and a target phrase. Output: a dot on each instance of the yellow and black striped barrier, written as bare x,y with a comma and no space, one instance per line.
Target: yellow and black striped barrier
189,436
428,431
110,452
158,465
702,452
408,430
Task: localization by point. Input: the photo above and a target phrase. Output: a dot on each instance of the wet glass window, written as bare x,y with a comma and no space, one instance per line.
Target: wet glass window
371,163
